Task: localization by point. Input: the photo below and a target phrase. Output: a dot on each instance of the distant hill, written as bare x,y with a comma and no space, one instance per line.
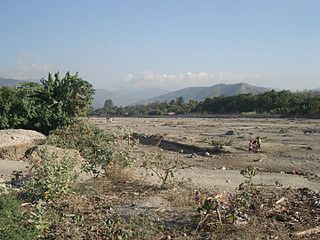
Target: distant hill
131,97
119,98
9,82
201,93
125,97
316,89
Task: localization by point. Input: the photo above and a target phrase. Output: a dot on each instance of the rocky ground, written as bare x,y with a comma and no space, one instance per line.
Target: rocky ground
289,155
284,199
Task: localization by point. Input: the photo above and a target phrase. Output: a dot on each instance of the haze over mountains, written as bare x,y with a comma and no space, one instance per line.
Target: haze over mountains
126,97
10,82
201,93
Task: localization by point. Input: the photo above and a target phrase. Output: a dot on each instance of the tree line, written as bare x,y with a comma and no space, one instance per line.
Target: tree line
285,103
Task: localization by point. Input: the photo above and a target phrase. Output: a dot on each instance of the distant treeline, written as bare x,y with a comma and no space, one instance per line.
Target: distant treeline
285,103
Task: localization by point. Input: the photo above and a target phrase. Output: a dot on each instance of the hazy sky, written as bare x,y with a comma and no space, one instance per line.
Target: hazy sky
163,43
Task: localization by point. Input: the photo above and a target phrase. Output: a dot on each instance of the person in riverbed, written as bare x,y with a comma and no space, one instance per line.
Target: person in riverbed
258,144
250,145
255,145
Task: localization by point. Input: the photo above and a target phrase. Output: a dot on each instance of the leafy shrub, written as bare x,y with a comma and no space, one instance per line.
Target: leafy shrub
94,144
220,143
51,179
164,169
14,220
43,107
125,145
249,172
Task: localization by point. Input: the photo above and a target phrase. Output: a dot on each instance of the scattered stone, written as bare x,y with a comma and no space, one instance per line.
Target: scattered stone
228,181
207,154
311,130
310,231
223,168
283,130
230,132
307,147
193,155
281,200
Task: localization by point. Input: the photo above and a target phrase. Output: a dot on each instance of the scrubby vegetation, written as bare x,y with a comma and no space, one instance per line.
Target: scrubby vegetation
51,178
14,220
164,169
285,103
50,203
43,107
98,148
52,181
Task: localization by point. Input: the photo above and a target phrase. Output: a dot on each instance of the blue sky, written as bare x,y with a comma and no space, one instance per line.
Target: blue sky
168,44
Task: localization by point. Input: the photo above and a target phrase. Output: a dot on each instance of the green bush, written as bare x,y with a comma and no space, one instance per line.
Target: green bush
220,143
97,147
14,220
164,169
44,107
51,178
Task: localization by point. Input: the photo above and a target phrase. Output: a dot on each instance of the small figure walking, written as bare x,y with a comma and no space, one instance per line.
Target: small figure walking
258,145
250,145
255,145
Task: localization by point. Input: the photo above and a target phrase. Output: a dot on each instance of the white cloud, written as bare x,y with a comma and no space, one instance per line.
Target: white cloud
174,81
28,65
129,77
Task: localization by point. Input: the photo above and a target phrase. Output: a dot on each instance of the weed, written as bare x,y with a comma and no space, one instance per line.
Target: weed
39,217
14,220
164,169
209,210
51,179
249,172
97,147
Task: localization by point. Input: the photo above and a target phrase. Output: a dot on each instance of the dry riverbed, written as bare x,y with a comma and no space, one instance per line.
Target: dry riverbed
289,155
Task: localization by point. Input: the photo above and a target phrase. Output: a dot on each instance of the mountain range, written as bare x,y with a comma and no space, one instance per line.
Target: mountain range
126,97
10,82
316,89
201,93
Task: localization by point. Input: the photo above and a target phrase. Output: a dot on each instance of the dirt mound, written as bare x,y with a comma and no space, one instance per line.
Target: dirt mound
14,137
15,142
35,153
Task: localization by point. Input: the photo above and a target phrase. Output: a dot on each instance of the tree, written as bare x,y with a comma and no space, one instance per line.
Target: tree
108,107
62,99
